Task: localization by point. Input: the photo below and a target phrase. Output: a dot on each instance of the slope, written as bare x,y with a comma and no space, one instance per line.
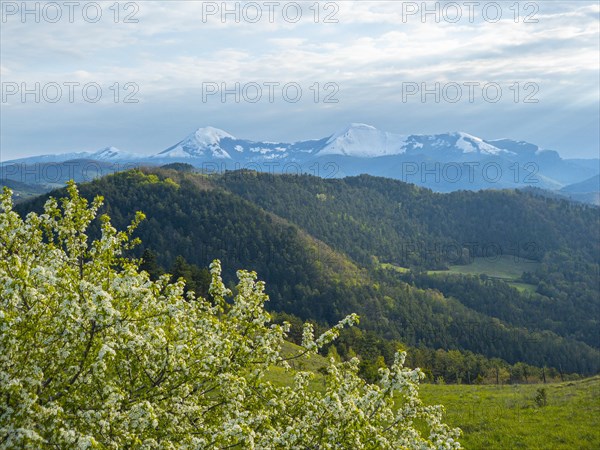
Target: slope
197,217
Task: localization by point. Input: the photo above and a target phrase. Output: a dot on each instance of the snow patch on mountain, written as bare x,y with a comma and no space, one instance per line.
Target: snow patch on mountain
204,142
472,144
363,141
518,147
210,136
104,154
112,154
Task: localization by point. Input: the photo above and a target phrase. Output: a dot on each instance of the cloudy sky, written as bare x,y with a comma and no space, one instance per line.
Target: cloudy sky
142,75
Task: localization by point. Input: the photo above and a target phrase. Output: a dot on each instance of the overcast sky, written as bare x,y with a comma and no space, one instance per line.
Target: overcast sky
539,64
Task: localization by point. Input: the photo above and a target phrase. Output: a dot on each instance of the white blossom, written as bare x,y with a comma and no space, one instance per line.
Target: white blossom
93,354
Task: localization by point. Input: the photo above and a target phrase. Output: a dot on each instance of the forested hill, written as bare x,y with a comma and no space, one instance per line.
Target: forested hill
404,224
320,244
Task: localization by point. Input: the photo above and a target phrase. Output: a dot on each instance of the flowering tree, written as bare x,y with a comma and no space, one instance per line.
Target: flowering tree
94,354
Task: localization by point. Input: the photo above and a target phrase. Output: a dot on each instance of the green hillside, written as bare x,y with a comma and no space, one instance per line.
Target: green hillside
538,245
315,242
22,191
368,216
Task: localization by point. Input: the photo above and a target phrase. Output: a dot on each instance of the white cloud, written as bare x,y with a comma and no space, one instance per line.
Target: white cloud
369,53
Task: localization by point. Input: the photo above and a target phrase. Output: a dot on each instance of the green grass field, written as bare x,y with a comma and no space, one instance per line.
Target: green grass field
523,287
507,417
505,267
501,417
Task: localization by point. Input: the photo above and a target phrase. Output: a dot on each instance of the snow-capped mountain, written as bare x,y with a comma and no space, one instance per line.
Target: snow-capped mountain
112,154
215,144
104,154
203,143
451,144
519,147
442,162
356,140
363,141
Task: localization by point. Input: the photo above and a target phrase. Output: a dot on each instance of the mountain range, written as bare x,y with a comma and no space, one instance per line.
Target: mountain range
442,162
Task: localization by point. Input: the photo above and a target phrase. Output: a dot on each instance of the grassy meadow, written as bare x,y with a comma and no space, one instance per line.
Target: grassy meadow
501,416
504,267
508,417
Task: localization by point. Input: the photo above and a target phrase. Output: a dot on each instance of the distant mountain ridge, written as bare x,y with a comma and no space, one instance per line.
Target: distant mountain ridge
109,153
586,191
443,162
590,185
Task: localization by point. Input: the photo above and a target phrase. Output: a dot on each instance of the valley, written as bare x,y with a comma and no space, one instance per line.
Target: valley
490,331
320,244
